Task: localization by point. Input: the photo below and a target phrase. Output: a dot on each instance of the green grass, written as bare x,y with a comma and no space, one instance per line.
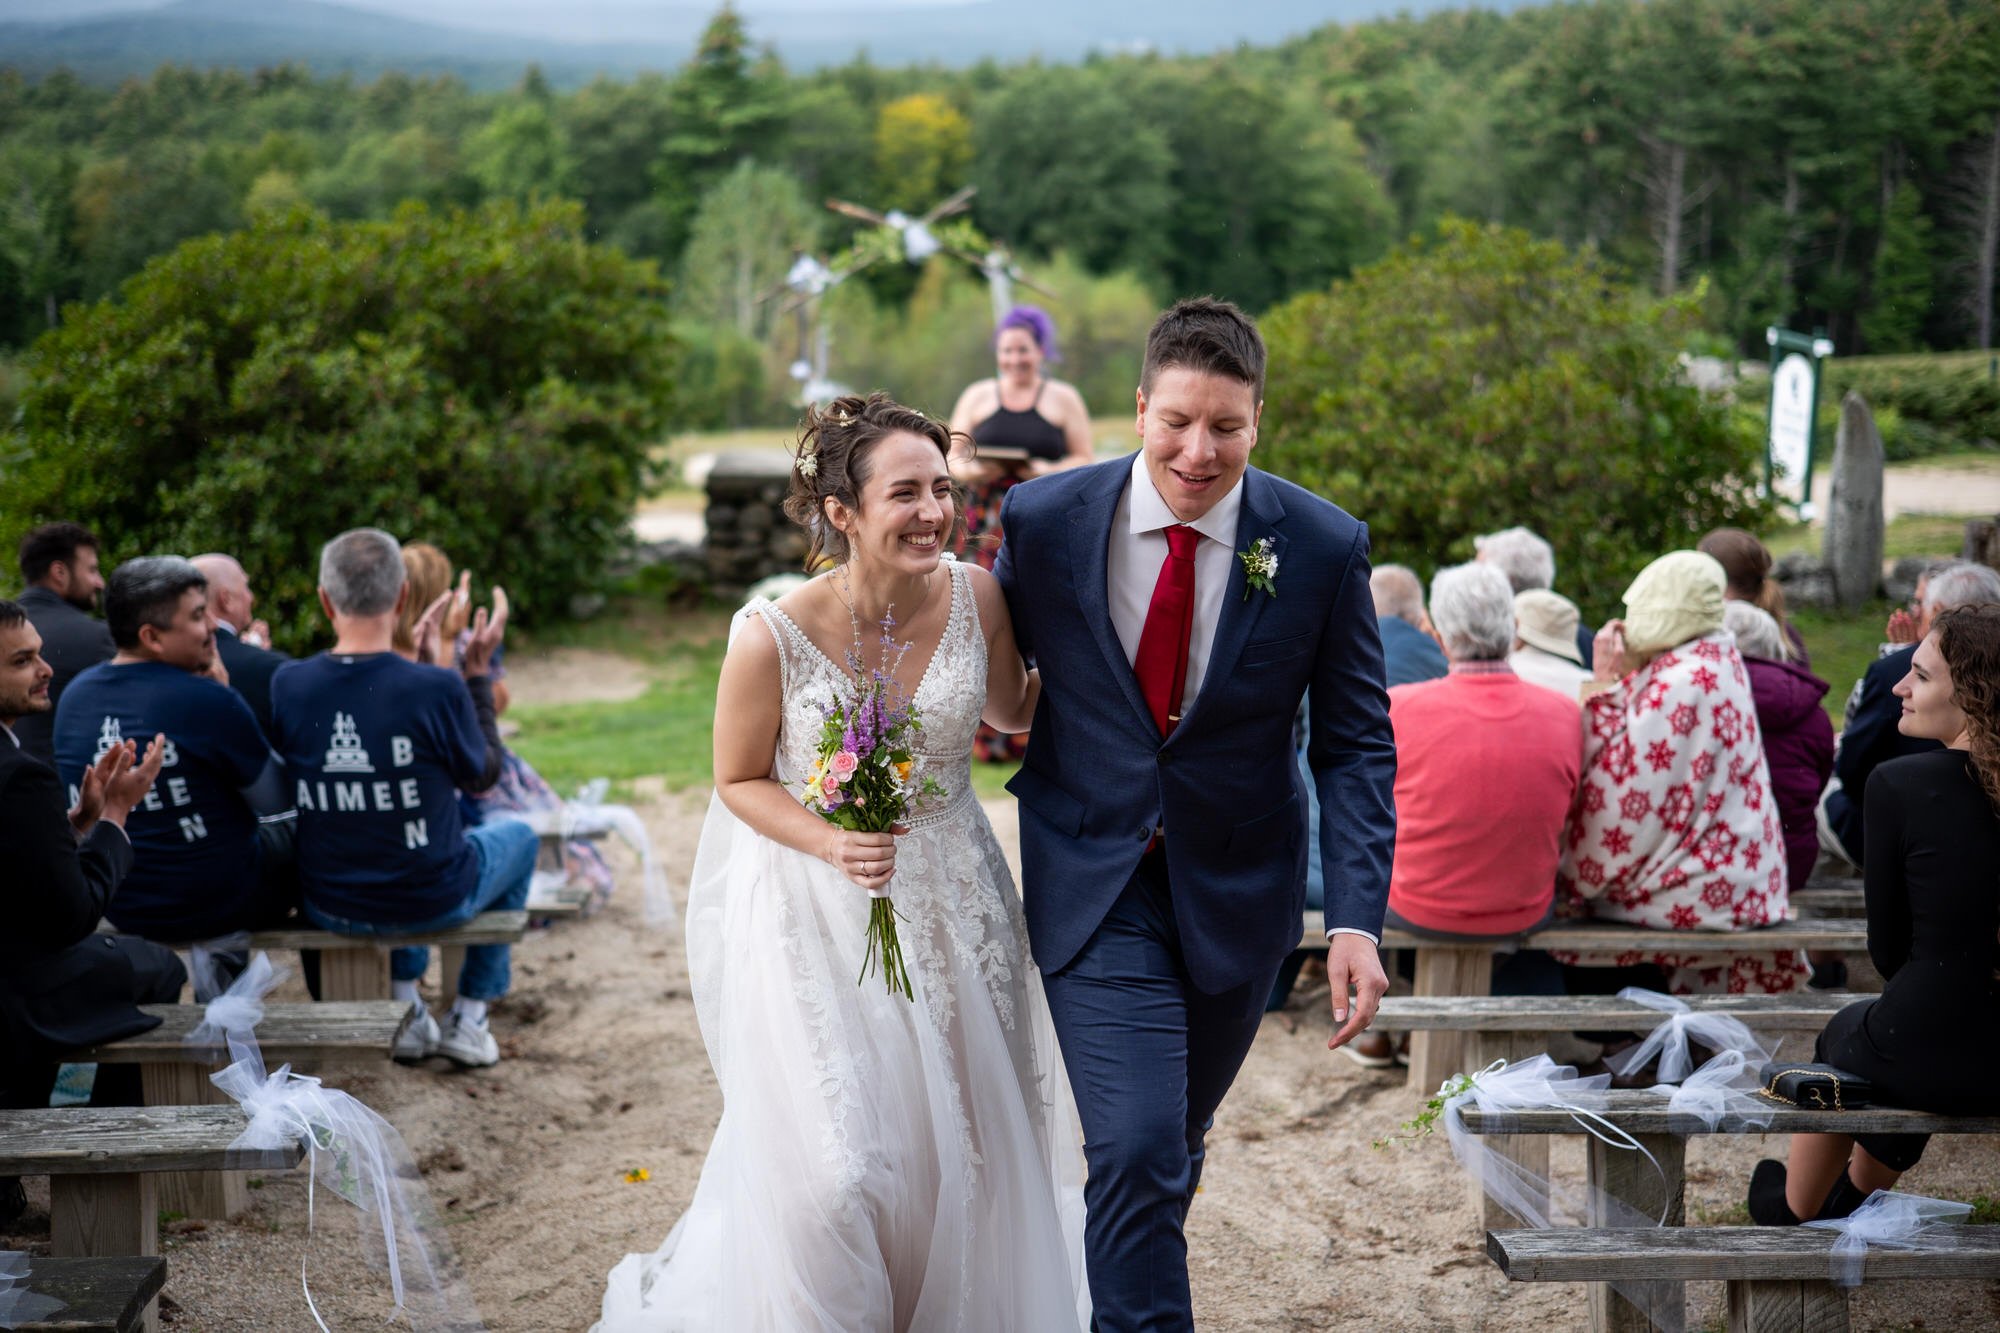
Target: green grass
667,732
1905,535
1842,647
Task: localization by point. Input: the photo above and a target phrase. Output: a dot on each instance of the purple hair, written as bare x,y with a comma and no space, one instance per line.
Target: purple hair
1038,324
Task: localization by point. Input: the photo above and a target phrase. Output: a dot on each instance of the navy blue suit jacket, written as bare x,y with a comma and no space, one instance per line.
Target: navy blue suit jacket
250,670
1871,739
1226,786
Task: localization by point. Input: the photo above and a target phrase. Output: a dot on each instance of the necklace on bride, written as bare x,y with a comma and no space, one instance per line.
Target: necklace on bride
892,651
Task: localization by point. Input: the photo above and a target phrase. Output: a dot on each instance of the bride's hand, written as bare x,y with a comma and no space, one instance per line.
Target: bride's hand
869,859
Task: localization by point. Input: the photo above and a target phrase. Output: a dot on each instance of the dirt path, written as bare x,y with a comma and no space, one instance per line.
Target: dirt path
1301,1225
1917,489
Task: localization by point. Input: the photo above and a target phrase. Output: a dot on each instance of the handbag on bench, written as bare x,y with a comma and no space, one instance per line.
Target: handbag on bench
1814,1087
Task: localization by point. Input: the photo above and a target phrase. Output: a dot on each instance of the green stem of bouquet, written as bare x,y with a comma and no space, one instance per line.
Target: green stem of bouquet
885,947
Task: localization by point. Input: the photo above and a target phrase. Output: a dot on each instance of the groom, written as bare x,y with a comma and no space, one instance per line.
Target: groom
1179,603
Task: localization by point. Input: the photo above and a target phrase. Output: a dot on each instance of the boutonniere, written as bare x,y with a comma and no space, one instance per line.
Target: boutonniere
1260,567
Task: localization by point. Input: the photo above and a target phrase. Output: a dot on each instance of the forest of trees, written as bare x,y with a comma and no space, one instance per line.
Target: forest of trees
1821,163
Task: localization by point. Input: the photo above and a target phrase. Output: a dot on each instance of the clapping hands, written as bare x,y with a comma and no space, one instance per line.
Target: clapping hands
115,783
489,628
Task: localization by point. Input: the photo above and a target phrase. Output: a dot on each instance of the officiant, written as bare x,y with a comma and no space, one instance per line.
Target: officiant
1017,425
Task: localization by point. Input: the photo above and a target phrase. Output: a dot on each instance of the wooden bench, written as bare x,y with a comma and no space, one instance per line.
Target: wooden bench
1627,1177
1838,898
1777,1277
103,1165
1457,969
356,967
173,1073
1515,1027
92,1295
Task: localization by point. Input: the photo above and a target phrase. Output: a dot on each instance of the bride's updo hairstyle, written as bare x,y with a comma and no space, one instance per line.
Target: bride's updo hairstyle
836,443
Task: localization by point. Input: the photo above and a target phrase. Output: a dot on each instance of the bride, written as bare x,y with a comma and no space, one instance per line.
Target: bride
880,1164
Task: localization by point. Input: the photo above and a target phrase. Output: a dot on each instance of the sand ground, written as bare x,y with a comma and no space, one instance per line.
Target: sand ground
1301,1225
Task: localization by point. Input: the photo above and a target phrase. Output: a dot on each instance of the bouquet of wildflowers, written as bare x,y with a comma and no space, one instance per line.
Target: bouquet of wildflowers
860,781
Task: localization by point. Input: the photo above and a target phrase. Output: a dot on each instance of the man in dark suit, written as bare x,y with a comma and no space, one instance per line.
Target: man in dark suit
61,985
1872,736
60,570
1178,604
241,641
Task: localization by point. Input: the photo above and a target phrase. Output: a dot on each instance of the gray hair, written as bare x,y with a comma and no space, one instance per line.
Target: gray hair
1472,607
1526,560
1757,633
1960,583
1398,592
147,591
362,572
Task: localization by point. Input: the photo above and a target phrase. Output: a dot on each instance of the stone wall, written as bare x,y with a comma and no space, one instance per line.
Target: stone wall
749,537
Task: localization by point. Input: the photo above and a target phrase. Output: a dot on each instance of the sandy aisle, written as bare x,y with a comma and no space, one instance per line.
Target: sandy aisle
1302,1225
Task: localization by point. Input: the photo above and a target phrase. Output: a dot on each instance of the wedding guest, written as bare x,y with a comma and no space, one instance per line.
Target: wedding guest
1545,651
429,572
1872,736
1748,565
519,790
212,840
59,567
1022,423
1529,562
241,641
1486,766
1409,653
1674,825
1927,1041
378,749
61,985
1798,735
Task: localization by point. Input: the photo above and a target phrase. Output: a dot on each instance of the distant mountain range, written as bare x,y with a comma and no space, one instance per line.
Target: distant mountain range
489,42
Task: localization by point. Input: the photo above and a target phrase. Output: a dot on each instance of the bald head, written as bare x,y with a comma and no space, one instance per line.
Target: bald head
229,595
1398,592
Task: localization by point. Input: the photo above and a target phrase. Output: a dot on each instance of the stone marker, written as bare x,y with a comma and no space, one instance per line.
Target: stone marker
1982,541
1852,545
749,537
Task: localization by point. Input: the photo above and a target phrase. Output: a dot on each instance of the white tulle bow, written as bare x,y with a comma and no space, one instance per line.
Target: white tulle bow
235,1014
1888,1219
588,810
1671,1040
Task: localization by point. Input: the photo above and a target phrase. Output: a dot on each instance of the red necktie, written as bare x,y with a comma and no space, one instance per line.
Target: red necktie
1162,661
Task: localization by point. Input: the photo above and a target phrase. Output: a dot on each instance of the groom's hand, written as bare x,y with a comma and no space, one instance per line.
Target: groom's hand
1351,960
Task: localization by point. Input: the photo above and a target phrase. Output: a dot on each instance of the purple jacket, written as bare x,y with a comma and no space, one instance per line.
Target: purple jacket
1798,746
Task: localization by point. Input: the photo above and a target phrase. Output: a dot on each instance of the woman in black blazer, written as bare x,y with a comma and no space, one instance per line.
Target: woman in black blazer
1931,1040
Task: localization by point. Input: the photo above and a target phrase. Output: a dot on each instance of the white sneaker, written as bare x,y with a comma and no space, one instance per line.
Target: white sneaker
467,1045
417,1039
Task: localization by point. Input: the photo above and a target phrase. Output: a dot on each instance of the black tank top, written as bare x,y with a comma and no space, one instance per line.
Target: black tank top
1029,430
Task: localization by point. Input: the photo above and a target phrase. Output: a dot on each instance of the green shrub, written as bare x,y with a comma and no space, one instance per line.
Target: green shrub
489,382
720,378
1941,408
1484,378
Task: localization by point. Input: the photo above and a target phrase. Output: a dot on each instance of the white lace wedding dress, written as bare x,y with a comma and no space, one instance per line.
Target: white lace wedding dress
880,1164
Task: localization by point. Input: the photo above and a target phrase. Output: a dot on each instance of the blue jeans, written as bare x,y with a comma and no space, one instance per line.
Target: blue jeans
505,850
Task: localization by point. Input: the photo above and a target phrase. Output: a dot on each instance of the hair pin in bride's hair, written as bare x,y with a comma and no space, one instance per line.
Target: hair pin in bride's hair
808,463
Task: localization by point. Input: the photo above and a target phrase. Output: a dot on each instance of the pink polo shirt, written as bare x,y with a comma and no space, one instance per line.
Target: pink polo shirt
1486,767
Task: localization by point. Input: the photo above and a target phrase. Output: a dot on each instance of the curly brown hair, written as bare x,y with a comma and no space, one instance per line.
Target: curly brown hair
835,443
1969,641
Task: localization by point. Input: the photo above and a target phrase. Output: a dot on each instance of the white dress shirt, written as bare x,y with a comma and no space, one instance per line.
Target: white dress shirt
1139,549
1132,569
